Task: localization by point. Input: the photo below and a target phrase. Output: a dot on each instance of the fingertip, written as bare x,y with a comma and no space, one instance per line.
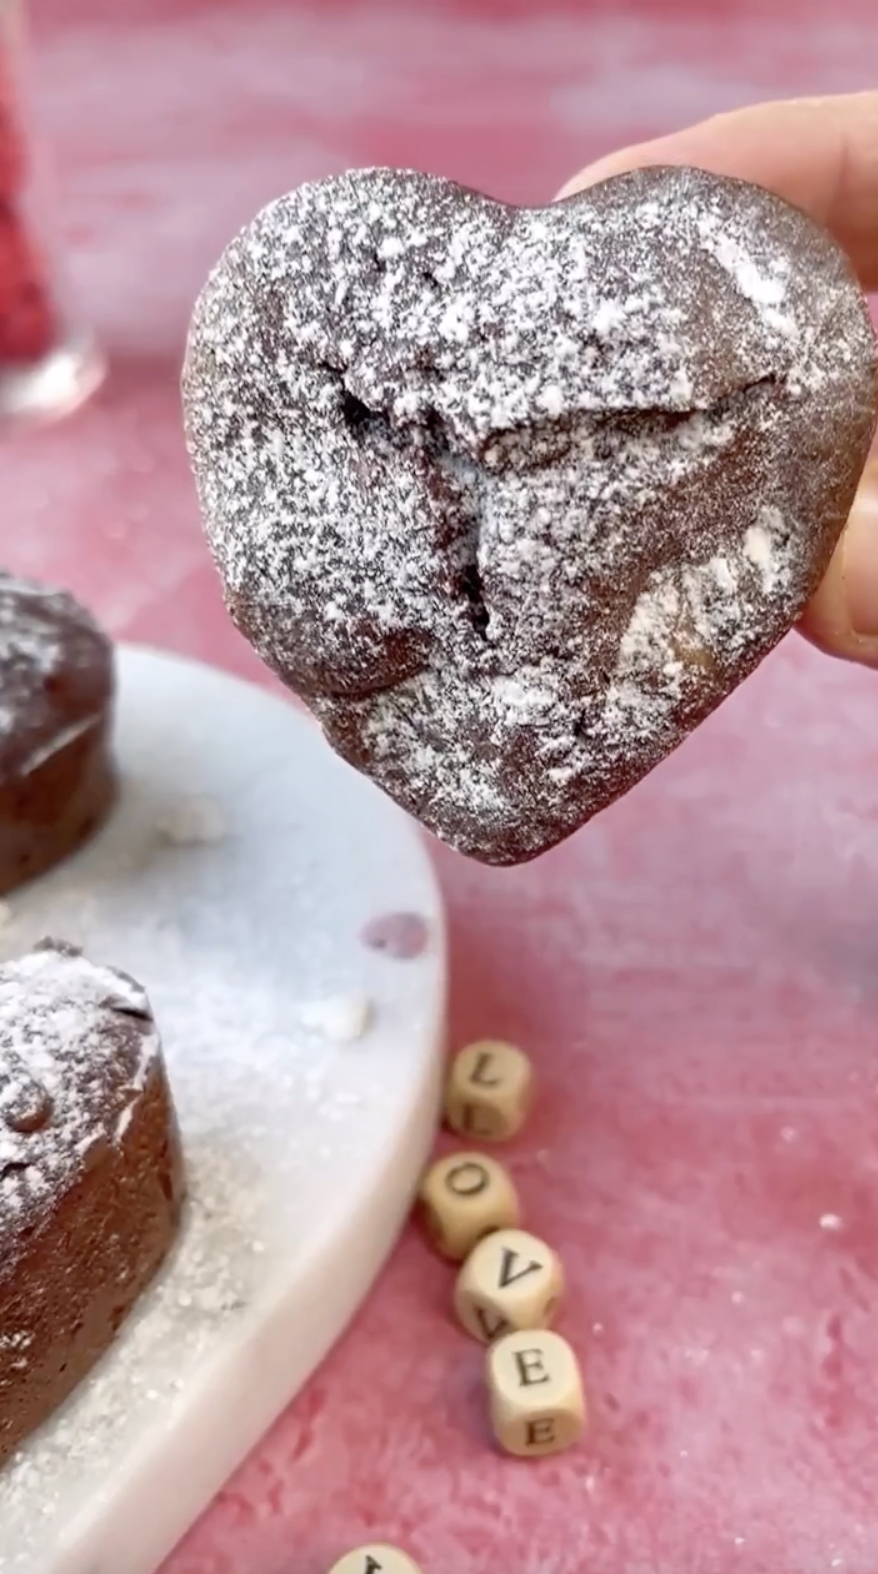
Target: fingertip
842,617
818,154
827,634
663,150
839,643
590,176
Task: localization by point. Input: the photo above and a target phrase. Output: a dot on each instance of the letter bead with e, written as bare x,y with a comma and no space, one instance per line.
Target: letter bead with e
537,1403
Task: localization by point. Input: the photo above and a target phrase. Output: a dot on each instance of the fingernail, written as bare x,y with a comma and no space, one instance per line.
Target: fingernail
860,557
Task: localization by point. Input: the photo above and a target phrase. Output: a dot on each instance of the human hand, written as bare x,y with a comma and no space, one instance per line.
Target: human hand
821,154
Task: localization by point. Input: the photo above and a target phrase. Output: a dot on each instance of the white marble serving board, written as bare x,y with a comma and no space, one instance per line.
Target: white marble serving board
235,880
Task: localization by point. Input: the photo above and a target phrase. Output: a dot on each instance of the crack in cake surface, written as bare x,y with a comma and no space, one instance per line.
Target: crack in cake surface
427,438
424,439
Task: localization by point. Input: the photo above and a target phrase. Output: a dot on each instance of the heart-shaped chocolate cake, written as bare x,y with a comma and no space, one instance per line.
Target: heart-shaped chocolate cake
91,1178
515,497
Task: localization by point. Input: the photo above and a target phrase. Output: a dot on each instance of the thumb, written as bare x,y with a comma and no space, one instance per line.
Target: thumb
842,617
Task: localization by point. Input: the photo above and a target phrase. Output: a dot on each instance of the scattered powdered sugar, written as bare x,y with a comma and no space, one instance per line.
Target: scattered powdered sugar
515,497
27,638
76,1043
193,822
204,1288
287,1146
765,545
251,1181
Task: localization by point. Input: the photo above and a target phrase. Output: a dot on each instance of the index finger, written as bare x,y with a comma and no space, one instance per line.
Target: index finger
821,154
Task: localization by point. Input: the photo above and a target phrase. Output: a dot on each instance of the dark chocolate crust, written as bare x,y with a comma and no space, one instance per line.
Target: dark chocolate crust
91,1173
515,498
57,777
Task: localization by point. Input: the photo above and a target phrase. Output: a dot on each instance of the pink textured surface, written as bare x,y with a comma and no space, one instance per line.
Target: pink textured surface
696,974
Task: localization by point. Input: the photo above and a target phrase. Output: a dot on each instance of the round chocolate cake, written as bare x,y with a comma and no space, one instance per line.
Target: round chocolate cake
57,779
515,497
91,1176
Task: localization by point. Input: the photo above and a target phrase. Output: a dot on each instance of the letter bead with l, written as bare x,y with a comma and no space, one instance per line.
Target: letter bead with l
489,1091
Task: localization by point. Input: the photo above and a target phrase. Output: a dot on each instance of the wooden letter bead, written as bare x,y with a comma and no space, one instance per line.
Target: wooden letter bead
489,1091
510,1281
375,1559
465,1196
537,1403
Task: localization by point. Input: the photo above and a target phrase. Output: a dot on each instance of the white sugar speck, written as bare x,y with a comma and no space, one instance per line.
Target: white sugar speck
342,1019
193,822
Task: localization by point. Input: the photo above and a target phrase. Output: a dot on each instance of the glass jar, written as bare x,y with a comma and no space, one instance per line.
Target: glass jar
49,364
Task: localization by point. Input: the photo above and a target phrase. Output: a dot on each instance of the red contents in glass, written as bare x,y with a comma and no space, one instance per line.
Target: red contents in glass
27,318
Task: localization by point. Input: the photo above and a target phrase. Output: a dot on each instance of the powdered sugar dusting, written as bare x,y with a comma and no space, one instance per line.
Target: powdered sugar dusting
766,287
68,1051
55,673
25,639
690,619
512,496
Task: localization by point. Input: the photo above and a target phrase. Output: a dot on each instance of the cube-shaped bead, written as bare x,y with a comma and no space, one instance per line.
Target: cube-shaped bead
510,1281
489,1091
537,1402
465,1196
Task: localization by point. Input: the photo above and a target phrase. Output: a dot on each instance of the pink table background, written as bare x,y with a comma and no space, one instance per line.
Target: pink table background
696,974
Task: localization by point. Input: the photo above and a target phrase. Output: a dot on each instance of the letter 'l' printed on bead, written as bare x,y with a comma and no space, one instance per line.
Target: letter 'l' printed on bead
479,1076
